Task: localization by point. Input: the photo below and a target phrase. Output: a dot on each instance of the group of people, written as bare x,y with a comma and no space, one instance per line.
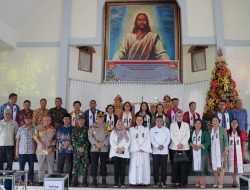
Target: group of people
79,139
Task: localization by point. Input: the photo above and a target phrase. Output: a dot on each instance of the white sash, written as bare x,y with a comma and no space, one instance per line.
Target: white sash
191,118
172,116
227,119
14,111
197,154
148,120
111,121
127,119
215,150
91,122
164,119
73,118
235,140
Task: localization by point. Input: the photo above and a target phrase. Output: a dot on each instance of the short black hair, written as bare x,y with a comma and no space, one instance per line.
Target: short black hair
77,102
27,101
66,115
123,107
12,95
175,99
159,117
190,103
110,105
58,98
92,101
139,115
224,101
43,99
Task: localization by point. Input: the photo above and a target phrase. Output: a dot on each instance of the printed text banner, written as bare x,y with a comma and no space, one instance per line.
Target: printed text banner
142,71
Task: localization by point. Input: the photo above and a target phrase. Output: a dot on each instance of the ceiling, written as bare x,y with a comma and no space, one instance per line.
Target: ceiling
16,12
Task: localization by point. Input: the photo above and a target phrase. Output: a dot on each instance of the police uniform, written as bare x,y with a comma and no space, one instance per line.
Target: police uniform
99,133
80,154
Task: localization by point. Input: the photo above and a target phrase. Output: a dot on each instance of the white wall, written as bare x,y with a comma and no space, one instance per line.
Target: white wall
44,25
238,59
83,18
200,18
236,15
96,75
29,72
188,75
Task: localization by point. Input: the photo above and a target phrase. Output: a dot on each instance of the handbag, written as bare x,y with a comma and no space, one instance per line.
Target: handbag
180,157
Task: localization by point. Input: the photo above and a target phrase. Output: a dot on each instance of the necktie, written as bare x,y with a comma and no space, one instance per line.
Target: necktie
93,114
224,125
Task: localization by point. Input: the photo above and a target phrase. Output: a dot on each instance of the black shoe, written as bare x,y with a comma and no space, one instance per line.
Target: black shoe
40,183
85,182
164,185
74,181
116,185
94,182
104,183
155,184
160,184
122,186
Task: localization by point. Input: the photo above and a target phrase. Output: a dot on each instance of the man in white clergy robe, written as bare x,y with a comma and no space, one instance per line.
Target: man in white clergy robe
140,148
160,139
141,44
180,134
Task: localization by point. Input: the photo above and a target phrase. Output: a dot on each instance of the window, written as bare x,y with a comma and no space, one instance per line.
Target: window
85,60
198,58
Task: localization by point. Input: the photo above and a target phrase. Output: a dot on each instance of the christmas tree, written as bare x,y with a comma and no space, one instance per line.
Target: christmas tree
222,86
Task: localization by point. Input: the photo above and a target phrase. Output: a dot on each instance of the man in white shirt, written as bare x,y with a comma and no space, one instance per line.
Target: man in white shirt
8,130
160,139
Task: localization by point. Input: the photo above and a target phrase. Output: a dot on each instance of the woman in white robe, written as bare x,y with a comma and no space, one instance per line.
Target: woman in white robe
140,148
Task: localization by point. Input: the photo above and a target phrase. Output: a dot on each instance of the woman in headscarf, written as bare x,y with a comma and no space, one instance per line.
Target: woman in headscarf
119,142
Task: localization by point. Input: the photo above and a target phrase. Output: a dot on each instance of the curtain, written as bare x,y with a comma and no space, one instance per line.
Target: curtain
104,93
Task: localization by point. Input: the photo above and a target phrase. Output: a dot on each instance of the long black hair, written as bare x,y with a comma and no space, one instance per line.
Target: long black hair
147,110
237,129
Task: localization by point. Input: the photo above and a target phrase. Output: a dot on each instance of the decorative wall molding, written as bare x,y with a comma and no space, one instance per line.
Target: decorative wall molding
237,42
37,44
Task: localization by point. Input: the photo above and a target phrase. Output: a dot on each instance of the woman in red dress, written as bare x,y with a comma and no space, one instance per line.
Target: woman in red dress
236,142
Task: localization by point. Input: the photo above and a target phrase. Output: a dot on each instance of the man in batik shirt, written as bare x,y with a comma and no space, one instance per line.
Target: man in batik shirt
80,154
45,137
39,113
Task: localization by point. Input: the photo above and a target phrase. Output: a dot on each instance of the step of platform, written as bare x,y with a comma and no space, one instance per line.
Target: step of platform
110,176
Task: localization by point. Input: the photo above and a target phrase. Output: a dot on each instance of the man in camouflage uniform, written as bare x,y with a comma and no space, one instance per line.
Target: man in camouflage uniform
99,140
80,154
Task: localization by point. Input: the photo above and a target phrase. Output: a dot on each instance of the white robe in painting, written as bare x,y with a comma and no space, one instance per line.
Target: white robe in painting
139,168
